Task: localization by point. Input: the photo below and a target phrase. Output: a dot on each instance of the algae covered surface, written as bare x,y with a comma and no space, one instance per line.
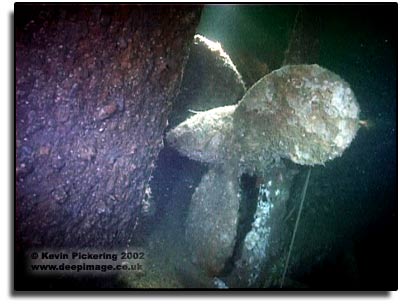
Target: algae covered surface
192,135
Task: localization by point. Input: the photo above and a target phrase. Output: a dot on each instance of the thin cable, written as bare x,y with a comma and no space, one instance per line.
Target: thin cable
303,195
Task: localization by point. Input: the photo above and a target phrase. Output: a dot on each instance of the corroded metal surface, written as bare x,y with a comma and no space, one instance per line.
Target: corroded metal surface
94,85
304,113
212,220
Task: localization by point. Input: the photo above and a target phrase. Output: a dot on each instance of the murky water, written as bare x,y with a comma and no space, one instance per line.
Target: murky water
346,233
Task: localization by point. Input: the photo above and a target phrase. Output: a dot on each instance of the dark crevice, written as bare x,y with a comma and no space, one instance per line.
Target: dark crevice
247,208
